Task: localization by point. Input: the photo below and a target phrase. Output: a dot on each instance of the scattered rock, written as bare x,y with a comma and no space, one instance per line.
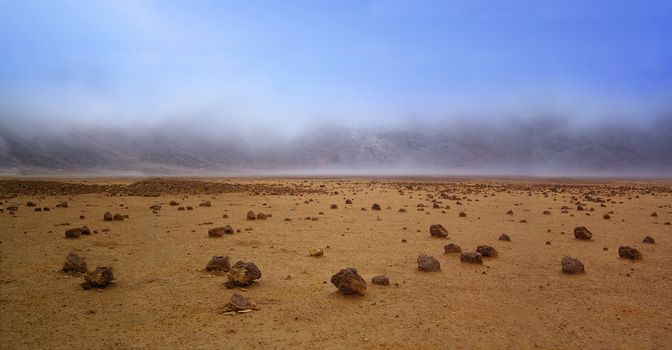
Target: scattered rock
316,252
62,205
74,264
74,232
205,204
375,206
333,206
108,216
438,230
348,201
348,281
572,266
627,252
649,239
606,216
239,303
654,215
504,237
155,207
101,277
251,215
428,264
510,212
381,280
261,216
174,203
582,233
218,264
471,257
487,251
462,214
220,231
451,248
243,274
118,217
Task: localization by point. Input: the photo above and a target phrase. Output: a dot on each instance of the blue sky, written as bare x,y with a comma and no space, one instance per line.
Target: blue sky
295,63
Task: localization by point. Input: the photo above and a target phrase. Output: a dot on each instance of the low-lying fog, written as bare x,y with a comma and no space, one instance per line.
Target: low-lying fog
544,147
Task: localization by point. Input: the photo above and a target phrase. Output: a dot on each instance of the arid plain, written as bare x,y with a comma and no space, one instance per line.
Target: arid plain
162,296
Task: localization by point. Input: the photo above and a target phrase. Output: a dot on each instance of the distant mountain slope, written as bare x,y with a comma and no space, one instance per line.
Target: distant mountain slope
521,148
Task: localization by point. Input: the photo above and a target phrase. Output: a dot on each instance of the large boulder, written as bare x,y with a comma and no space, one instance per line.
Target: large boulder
101,277
74,264
243,274
219,264
572,266
582,233
428,264
631,253
348,281
438,230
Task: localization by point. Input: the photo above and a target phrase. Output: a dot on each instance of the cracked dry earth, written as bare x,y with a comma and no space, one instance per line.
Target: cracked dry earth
163,298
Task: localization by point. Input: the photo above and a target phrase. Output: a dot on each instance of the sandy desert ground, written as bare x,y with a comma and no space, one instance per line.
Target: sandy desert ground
163,298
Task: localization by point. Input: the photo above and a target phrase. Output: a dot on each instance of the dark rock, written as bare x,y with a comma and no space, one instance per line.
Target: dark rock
462,214
572,266
85,230
627,252
606,216
261,216
582,233
30,204
118,217
451,248
243,274
438,230
218,264
239,303
108,216
649,239
348,201
381,280
205,204
487,251
348,281
174,203
428,264
510,212
504,237
471,257
74,232
333,206
62,205
101,277
251,215
74,264
375,206
219,231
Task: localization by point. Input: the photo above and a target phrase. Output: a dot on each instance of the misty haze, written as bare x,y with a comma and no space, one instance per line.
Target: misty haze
375,174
